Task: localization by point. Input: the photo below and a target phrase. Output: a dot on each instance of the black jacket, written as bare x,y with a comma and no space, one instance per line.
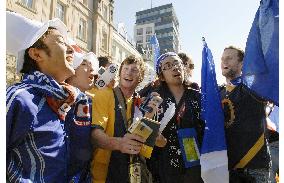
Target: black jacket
244,124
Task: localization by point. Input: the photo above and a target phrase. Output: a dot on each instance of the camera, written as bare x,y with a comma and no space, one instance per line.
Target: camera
143,106
101,70
106,75
112,68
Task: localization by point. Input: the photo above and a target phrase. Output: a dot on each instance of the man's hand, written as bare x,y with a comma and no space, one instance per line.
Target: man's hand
131,144
161,141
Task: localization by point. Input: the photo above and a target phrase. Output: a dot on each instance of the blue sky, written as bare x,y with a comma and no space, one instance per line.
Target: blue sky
221,22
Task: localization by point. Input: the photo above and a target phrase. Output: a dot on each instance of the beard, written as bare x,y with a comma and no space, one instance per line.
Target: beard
231,74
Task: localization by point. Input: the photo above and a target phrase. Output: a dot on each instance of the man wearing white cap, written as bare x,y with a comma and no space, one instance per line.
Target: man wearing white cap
36,107
78,120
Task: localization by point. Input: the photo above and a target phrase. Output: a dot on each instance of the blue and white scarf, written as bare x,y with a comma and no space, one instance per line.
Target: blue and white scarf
59,96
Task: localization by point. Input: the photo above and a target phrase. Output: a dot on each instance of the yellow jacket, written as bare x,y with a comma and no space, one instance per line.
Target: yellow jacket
103,115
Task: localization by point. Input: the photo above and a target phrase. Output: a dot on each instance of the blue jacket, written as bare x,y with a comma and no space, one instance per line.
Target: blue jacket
36,139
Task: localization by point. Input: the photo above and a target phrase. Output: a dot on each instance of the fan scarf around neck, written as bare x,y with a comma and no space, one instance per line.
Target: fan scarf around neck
59,96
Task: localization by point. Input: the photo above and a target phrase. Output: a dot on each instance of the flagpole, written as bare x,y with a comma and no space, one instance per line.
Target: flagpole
203,40
151,4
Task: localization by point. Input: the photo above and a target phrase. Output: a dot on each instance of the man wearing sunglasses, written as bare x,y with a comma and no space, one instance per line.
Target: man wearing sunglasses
168,163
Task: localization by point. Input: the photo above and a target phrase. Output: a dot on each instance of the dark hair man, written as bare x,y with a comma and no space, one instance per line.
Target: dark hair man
36,107
167,163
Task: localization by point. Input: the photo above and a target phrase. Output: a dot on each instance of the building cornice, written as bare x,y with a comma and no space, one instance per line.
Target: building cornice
91,13
103,19
117,36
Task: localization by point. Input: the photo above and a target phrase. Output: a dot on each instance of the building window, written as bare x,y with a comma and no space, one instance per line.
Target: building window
120,56
148,38
139,39
27,3
113,51
140,48
140,31
82,29
149,30
169,10
100,6
139,45
149,46
60,11
164,26
166,19
162,11
155,13
104,39
85,2
105,12
111,15
149,49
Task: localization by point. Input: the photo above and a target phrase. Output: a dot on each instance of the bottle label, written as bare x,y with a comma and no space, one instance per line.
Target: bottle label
135,172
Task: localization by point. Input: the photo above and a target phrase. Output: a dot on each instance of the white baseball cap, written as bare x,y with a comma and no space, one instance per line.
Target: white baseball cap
21,33
80,55
91,57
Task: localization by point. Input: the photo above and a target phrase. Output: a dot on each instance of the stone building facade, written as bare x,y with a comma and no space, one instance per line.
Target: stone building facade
90,23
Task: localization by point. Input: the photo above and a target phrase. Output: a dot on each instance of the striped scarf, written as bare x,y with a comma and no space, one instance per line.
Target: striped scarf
59,96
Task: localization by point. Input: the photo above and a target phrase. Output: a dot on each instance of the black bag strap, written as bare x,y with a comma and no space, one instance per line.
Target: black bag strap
145,174
121,101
